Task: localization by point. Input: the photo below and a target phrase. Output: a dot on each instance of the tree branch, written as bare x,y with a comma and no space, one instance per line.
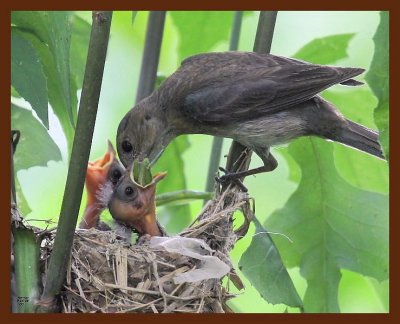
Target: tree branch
182,196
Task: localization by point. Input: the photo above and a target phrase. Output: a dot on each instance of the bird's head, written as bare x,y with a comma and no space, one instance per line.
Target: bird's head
134,205
105,170
142,133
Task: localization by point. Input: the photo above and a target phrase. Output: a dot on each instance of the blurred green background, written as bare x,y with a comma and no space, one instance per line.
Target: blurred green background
43,186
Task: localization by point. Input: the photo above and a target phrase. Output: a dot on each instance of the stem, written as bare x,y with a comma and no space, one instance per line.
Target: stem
218,141
26,270
262,44
151,54
265,31
101,22
181,196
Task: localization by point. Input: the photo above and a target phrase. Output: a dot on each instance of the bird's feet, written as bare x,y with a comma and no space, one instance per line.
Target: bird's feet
230,177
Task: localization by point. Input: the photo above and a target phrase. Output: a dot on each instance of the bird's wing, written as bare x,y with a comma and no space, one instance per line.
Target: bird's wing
261,91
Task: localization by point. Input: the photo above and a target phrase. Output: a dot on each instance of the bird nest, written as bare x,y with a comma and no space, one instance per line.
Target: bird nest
183,273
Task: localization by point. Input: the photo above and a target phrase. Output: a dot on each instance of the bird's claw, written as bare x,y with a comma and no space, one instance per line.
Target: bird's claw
230,177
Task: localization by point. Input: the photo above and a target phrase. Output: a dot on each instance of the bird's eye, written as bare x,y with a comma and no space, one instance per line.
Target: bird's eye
116,174
128,191
127,147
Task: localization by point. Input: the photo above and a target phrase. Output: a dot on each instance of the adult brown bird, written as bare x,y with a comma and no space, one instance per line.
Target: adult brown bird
133,205
259,100
101,174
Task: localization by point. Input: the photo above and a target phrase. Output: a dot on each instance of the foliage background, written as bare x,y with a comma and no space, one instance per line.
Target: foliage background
188,33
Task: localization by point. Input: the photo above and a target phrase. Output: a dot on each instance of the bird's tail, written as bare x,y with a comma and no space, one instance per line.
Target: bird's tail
360,137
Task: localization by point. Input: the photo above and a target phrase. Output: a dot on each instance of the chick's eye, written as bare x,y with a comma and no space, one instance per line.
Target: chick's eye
127,147
128,191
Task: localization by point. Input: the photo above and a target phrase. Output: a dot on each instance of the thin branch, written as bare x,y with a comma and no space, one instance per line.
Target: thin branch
101,22
262,44
218,141
181,196
265,31
151,54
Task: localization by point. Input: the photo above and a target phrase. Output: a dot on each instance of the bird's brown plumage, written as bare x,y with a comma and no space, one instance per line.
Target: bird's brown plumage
259,100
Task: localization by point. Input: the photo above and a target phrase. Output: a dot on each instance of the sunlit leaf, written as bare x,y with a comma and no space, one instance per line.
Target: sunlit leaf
79,48
378,80
353,165
35,147
49,33
22,203
55,92
262,265
134,13
332,224
325,50
200,31
27,75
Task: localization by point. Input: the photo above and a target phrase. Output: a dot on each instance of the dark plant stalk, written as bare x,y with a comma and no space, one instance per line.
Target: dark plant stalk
182,196
101,22
262,44
218,141
15,135
151,54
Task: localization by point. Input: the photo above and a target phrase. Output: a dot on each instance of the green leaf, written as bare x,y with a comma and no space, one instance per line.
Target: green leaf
35,147
358,104
173,217
22,203
378,80
55,91
49,33
262,265
200,31
79,47
325,50
134,13
14,93
27,75
332,224
141,173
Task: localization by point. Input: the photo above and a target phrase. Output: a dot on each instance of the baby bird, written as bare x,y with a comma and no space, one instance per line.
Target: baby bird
101,174
133,205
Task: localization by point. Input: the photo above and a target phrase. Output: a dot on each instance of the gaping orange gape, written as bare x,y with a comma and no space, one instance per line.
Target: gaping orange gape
102,174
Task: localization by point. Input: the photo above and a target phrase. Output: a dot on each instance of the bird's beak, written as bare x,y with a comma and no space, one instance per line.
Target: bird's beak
152,162
96,173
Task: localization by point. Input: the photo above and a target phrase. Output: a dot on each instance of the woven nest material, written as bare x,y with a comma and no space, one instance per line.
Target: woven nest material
109,275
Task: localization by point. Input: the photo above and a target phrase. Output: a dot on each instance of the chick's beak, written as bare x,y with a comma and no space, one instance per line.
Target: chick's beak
140,212
97,171
96,176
